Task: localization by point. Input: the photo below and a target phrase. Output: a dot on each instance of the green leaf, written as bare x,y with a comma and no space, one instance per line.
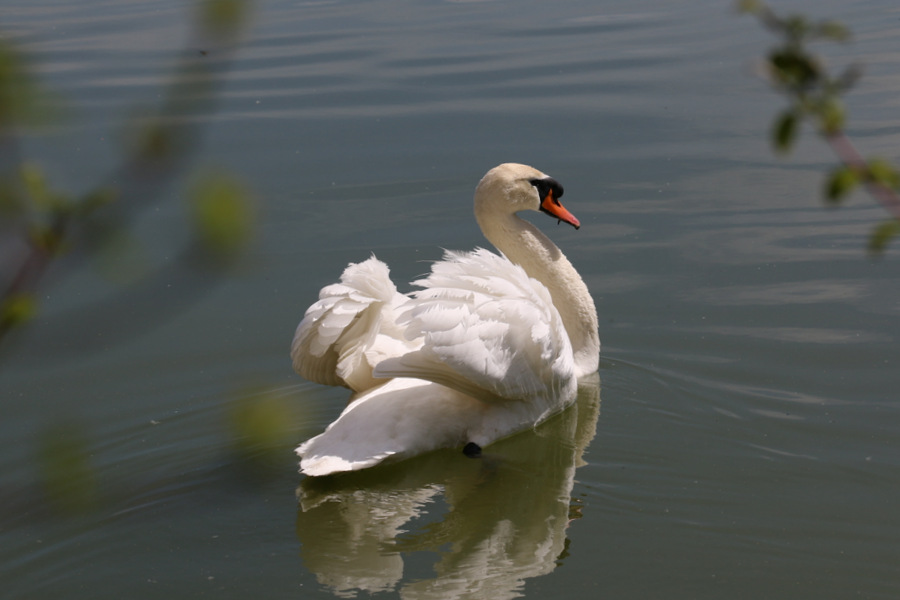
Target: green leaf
66,473
16,309
223,215
793,68
750,7
840,183
785,130
13,203
22,100
35,184
263,426
796,27
883,173
831,115
224,17
156,142
37,189
262,421
833,30
882,235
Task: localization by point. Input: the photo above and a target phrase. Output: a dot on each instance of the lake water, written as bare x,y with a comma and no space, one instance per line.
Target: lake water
743,437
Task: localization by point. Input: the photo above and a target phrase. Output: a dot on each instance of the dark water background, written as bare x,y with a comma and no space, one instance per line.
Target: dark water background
743,440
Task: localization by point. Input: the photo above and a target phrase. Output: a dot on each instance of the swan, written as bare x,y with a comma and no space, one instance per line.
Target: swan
490,345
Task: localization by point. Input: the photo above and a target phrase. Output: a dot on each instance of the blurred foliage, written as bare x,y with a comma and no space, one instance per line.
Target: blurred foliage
814,95
23,102
67,476
222,215
41,223
17,309
263,425
883,234
223,18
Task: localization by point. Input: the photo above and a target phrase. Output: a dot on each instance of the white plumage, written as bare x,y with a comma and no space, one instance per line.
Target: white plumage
488,346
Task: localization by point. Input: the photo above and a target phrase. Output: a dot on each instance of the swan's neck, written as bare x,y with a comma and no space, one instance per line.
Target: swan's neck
526,246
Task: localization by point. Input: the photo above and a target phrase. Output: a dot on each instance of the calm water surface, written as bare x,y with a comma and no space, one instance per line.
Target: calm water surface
743,437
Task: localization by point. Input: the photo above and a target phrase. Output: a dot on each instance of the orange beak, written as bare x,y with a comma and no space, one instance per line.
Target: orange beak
552,207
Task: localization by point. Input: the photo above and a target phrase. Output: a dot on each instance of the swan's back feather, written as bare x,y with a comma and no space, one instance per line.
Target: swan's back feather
488,330
352,321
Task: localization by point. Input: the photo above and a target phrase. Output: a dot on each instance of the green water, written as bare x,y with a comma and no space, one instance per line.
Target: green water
743,440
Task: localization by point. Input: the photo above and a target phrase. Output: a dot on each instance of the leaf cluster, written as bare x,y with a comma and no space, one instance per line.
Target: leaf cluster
23,101
814,95
39,223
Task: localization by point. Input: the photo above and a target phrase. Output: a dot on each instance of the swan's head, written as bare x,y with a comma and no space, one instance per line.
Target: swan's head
512,187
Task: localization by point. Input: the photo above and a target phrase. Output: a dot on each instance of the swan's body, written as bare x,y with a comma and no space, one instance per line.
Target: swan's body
491,345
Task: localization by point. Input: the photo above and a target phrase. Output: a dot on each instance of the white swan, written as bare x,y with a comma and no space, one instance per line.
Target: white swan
491,345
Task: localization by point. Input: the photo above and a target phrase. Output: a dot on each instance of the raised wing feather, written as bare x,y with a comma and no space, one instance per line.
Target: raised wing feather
351,323
488,330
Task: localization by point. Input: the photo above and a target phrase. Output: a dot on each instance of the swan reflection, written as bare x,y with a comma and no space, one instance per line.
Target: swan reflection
492,522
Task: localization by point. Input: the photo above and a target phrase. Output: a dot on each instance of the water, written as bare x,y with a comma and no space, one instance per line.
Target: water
742,441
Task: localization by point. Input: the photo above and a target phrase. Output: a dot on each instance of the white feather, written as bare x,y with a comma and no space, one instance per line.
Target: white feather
482,350
488,330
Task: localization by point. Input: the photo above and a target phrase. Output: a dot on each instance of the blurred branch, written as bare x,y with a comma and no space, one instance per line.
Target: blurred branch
814,95
41,224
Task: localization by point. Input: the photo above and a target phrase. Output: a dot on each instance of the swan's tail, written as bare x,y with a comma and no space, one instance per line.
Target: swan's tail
399,419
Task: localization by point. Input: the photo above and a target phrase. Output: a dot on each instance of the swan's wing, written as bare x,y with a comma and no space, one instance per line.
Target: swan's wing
488,330
350,328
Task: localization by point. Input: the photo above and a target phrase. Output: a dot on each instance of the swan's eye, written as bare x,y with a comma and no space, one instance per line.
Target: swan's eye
548,187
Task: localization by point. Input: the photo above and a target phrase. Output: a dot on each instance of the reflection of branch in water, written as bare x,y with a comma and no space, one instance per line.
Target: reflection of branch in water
505,520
